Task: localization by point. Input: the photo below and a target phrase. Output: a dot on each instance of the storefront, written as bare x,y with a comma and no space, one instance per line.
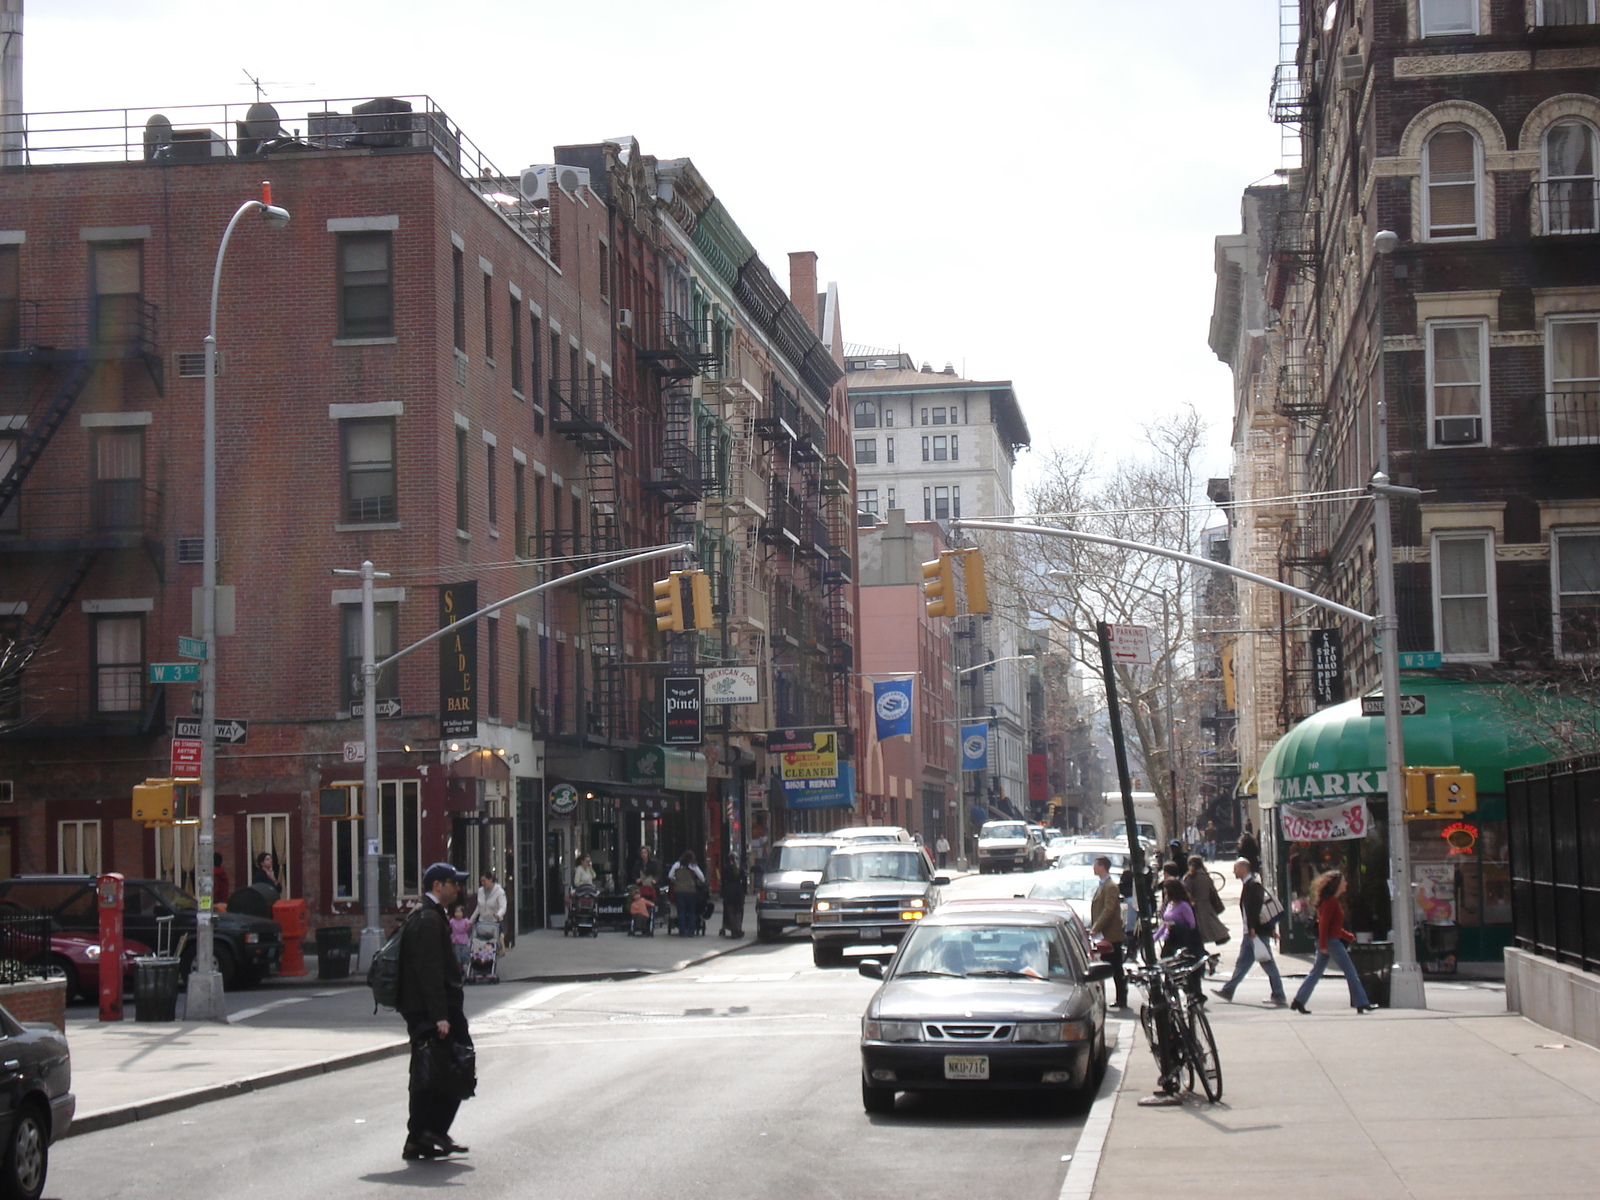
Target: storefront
1323,802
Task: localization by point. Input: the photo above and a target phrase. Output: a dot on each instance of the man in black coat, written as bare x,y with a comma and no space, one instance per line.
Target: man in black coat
430,1001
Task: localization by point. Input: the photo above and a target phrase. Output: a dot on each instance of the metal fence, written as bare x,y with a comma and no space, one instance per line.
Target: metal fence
1553,813
24,946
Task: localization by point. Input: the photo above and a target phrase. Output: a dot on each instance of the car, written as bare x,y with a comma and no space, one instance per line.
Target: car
1008,845
985,998
73,957
1075,885
36,1103
1081,852
790,877
870,894
1055,847
872,833
247,948
1058,908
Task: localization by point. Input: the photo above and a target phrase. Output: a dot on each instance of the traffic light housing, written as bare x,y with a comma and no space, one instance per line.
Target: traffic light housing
1440,791
939,585
977,585
700,601
155,802
669,603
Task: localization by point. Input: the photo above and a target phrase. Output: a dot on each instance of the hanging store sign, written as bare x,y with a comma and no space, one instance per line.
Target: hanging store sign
1340,821
563,799
682,704
1327,667
1462,837
819,761
685,771
458,661
732,685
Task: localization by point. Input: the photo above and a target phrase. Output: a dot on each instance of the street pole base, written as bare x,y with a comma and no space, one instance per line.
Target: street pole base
205,1000
1405,986
371,939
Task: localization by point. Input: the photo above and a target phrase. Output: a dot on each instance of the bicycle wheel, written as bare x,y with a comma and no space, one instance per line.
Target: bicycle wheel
1200,1049
1219,880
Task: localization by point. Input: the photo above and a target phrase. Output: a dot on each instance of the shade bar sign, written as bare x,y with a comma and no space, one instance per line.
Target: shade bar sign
458,661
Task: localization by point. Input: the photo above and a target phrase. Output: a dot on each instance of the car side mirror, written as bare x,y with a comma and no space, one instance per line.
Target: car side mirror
1098,971
871,968
810,883
941,881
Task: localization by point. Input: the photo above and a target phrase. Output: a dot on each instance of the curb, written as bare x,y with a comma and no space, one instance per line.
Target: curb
640,972
144,1110
1085,1166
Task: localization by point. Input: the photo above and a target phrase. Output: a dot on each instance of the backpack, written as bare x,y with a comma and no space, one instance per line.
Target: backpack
383,975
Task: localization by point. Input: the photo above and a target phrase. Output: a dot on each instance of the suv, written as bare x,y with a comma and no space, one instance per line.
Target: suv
1007,845
792,869
870,894
872,833
247,948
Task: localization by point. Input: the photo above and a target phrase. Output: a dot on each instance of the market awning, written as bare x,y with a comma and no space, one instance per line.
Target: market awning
1483,728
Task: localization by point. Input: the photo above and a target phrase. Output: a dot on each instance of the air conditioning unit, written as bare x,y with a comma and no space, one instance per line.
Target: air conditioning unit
624,318
535,181
1352,70
1457,431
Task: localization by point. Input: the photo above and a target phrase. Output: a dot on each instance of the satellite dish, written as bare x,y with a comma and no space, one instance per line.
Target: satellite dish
157,135
261,121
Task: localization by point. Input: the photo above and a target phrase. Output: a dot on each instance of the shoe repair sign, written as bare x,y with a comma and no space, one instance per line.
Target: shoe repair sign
1333,821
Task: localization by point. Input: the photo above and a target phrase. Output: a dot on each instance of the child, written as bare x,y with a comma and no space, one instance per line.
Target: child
642,910
460,935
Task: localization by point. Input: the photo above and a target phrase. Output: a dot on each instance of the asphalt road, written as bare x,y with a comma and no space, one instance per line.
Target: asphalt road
736,1079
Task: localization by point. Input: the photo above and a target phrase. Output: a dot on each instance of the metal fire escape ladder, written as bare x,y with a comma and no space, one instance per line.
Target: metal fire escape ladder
43,424
35,631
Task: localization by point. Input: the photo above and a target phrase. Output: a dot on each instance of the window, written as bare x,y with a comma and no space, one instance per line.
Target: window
1573,403
492,646
955,502
955,448
535,362
866,450
1457,367
892,503
118,664
1450,192
1444,18
78,847
458,297
489,480
1570,201
522,674
367,448
955,418
1575,572
10,297
117,272
1463,588
519,508
554,364
941,449
866,415
400,833
488,316
577,524
941,503
11,516
603,261
867,500
888,445
118,499
938,416
346,860
269,833
926,443
385,641
1566,12
516,344
461,480
366,295
888,418
538,549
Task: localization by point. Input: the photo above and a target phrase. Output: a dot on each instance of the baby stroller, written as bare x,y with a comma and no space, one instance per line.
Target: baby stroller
483,953
581,912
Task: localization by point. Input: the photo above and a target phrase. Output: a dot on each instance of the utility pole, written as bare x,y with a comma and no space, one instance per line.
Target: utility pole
1141,881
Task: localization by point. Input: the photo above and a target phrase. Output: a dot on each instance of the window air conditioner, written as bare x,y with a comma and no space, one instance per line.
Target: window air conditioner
535,181
1457,431
624,318
1352,69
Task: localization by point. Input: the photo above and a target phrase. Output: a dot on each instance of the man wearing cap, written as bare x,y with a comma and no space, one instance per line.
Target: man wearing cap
430,1001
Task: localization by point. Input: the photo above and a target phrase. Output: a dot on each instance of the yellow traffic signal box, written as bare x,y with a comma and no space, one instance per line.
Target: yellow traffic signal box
154,802
669,603
700,600
977,584
1440,791
939,586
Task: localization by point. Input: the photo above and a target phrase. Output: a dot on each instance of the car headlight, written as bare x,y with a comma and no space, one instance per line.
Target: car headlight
251,939
917,903
1052,1031
769,895
91,952
824,905
891,1031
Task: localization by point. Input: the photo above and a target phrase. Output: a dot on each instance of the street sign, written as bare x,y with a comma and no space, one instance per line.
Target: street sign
386,708
186,757
1130,644
225,732
192,647
174,672
355,752
1421,660
1411,705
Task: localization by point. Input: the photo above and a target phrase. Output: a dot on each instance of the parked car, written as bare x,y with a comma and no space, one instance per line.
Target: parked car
793,868
36,1103
870,894
247,948
1075,885
72,956
985,998
1009,846
1081,852
872,833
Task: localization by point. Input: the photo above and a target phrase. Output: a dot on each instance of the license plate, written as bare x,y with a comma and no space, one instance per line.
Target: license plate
966,1066
803,919
871,933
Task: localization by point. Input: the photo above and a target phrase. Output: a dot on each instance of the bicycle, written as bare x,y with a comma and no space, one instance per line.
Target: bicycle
1176,1026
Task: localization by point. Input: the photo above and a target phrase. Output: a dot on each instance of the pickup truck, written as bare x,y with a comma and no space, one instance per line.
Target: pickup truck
870,894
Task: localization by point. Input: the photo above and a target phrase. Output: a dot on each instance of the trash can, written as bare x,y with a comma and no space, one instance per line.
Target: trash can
155,989
333,952
1373,962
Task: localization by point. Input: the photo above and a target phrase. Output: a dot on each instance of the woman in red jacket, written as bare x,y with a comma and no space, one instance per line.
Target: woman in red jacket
1331,938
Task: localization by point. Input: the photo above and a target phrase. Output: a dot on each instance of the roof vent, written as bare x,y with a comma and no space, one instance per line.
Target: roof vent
949,369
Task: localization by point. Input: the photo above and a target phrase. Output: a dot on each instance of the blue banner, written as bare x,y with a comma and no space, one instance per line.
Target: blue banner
975,747
891,702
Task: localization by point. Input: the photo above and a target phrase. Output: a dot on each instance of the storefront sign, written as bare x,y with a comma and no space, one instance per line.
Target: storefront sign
681,706
563,799
1436,892
685,771
458,661
1326,786
1327,667
732,685
647,765
1337,822
836,792
820,761
1462,837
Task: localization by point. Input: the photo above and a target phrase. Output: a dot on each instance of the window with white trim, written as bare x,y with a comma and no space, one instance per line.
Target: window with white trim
888,417
938,416
1464,609
941,449
400,833
1566,12
1568,198
1575,584
1458,370
866,450
346,860
1448,18
866,415
367,447
867,500
1452,173
888,446
78,847
385,641
118,663
268,833
892,503
1572,365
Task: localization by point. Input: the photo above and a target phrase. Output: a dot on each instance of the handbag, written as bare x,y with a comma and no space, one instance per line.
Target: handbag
1217,906
1271,909
445,1067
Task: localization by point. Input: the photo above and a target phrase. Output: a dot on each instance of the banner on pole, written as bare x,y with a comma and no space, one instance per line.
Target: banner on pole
975,747
891,704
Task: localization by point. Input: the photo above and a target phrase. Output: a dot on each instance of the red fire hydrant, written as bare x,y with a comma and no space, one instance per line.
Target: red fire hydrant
292,918
109,889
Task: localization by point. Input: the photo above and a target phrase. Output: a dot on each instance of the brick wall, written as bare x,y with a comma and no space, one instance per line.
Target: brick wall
37,1000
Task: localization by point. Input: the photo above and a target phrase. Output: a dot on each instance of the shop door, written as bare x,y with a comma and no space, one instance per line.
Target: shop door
555,875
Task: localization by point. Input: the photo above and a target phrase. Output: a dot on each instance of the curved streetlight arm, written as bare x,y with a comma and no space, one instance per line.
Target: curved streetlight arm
995,661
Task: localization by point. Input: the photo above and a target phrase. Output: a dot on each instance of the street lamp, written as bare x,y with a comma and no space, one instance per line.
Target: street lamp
995,661
205,999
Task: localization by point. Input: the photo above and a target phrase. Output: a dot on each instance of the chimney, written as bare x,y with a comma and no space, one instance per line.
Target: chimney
803,285
12,148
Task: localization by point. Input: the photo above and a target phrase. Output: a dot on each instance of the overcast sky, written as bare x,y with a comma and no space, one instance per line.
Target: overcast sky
1026,188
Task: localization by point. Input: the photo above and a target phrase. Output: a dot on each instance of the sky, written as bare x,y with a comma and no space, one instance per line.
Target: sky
1028,189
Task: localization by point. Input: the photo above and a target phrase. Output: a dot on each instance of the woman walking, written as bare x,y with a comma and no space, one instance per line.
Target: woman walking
1331,938
1208,906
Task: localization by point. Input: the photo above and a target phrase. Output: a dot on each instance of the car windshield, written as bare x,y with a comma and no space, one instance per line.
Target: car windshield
988,950
1072,887
1146,830
173,898
1085,858
879,864
1006,829
798,858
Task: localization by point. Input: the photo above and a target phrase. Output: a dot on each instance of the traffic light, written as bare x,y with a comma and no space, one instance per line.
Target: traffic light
977,585
154,802
1440,791
669,603
700,600
939,585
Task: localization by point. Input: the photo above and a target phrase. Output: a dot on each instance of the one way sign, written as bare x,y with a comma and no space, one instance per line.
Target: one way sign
228,732
1412,704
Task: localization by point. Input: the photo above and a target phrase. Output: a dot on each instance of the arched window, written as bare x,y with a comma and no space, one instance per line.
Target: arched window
1451,184
866,415
1568,186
